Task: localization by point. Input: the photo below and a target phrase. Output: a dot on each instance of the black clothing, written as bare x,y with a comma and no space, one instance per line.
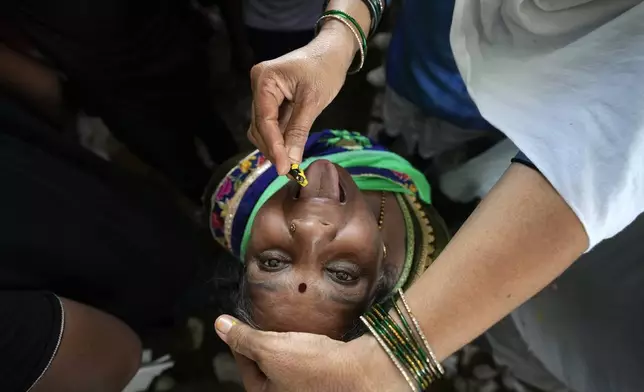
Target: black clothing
142,66
75,226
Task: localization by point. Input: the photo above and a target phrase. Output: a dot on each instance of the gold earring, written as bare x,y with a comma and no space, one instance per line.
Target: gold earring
291,228
384,251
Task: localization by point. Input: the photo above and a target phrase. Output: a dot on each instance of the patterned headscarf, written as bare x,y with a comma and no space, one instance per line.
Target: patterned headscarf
248,185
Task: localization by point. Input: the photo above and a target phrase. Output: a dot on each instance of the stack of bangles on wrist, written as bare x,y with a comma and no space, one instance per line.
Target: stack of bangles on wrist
376,9
404,343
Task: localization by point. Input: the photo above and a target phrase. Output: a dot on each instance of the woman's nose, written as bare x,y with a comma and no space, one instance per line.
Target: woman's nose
313,228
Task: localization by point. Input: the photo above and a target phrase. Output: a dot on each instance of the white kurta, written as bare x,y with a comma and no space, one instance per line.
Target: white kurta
564,80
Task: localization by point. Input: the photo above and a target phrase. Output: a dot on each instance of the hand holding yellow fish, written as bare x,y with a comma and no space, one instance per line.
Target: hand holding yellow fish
298,175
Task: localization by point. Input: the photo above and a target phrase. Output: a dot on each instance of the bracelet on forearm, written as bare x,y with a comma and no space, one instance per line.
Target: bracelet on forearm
374,12
390,354
406,349
355,28
438,367
376,9
406,346
350,19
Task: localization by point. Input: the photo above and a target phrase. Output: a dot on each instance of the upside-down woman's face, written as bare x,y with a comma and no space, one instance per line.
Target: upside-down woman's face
315,254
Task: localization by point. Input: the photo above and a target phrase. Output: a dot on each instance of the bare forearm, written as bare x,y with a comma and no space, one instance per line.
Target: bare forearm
521,237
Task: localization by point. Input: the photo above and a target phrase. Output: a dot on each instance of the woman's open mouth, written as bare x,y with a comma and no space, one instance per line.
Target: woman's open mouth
343,194
324,183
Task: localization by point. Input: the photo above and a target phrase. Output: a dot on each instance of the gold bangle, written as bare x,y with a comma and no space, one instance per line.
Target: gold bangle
439,368
355,34
390,354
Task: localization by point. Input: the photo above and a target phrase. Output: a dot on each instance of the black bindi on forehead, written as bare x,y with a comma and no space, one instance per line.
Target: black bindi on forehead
302,287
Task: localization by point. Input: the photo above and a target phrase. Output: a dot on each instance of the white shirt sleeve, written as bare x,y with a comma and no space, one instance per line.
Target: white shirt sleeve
564,80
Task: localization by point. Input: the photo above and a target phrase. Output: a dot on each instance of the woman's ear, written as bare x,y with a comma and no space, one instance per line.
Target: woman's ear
386,283
243,303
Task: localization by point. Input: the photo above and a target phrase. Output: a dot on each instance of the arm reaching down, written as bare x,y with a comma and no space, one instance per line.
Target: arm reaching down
520,238
290,92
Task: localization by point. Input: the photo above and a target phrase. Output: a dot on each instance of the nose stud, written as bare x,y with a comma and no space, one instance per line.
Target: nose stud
291,228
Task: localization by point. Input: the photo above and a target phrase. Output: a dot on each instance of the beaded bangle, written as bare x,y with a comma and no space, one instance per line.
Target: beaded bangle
428,373
391,356
412,356
398,350
425,364
361,43
437,365
434,376
405,344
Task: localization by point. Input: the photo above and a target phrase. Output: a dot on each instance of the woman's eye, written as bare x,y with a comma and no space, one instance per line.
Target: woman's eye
272,264
343,277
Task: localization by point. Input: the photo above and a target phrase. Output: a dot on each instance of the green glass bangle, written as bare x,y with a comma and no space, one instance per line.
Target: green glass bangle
391,355
425,355
410,341
436,365
377,329
375,15
417,353
380,9
407,344
410,332
404,341
376,9
354,22
405,359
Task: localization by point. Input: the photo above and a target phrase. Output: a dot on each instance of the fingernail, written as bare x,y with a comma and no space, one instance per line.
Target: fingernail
224,324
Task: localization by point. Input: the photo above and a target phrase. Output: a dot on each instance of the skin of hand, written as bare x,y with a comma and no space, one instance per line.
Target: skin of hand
291,91
520,238
270,361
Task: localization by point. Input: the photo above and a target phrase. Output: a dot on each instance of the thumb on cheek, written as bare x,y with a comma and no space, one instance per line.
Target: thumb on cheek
223,325
244,339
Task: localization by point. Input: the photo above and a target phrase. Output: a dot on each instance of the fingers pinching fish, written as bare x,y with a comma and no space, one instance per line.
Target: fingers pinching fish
298,175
